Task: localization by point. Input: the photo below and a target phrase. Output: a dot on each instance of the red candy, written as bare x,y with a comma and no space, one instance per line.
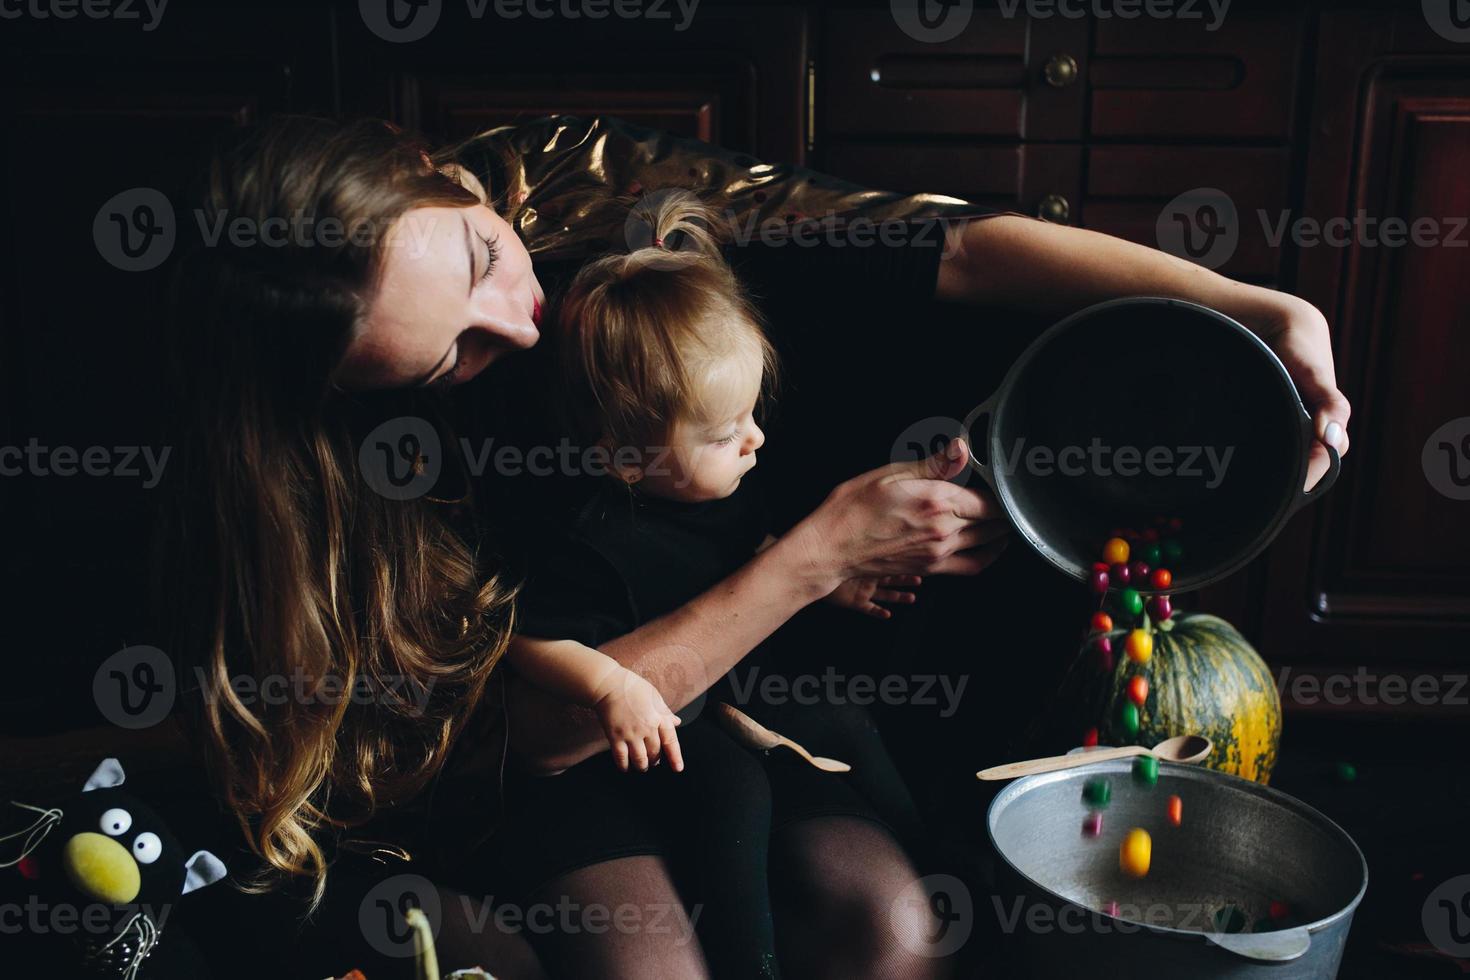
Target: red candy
1278,910
1176,811
1092,824
1138,690
1102,622
1089,738
1162,578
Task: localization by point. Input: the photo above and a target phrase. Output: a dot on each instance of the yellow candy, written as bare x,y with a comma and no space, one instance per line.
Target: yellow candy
1115,552
1139,646
1135,853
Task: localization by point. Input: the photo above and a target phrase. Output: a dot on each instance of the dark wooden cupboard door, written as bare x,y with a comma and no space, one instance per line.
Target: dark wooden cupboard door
733,77
1385,555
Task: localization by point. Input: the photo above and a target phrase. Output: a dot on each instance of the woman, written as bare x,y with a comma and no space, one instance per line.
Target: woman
289,564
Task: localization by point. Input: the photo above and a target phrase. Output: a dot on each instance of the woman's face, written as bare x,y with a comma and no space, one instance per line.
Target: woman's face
457,291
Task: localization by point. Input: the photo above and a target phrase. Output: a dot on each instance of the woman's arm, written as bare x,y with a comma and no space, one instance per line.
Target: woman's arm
1010,260
900,519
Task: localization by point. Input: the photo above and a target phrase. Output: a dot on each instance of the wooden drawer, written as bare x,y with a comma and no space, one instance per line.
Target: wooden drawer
988,81
1152,78
1128,188
1012,176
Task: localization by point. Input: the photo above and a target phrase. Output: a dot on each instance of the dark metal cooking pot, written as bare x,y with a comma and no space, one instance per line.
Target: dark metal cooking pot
1145,407
1239,844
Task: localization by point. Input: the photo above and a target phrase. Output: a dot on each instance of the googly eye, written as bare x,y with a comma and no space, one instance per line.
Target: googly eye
115,822
147,848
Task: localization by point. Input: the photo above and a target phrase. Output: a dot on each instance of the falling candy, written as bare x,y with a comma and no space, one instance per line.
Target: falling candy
1146,770
1346,772
1119,574
1139,646
1098,581
1097,793
1128,718
1278,910
1173,550
1138,690
1089,738
1150,553
1161,578
1160,608
1111,909
1092,824
1135,853
1176,811
1102,648
1102,622
1130,601
1115,551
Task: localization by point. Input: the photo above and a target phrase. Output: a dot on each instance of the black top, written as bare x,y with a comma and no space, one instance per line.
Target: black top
599,563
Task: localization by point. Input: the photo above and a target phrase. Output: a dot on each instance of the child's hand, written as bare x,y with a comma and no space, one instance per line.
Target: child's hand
639,725
863,594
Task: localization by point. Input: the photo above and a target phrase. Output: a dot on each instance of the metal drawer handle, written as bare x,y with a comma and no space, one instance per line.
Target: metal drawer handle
1054,207
1060,70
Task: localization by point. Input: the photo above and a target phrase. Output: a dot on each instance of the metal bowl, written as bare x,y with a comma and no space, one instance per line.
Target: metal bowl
1239,845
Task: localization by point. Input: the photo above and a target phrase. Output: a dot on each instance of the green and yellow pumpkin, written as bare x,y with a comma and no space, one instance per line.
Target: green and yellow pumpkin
1203,678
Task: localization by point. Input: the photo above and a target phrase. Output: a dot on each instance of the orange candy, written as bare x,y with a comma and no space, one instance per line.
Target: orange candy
1115,552
1176,811
1102,622
1138,690
1139,646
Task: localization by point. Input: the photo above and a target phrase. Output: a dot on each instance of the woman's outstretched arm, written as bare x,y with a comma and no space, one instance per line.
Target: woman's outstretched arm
900,519
1023,263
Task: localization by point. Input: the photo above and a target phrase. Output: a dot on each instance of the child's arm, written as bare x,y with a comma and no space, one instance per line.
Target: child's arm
639,725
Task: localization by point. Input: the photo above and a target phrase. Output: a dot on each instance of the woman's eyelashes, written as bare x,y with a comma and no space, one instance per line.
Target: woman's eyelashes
492,254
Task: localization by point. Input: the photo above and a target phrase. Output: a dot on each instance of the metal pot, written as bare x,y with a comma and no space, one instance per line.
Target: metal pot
1239,844
1142,407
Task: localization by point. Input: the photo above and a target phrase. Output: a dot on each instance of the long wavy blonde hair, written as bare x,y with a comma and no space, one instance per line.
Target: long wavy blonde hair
277,559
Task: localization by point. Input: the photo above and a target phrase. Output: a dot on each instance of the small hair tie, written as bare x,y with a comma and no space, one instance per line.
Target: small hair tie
658,243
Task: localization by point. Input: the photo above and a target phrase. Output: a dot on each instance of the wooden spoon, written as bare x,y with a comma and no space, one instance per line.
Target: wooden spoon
1181,748
758,736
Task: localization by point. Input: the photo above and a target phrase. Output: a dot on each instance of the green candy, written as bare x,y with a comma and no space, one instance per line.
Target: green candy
1150,555
1131,601
1146,770
1173,550
1097,793
1230,919
1128,720
1347,772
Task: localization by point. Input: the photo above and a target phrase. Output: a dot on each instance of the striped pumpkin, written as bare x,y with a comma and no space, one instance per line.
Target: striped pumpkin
1203,678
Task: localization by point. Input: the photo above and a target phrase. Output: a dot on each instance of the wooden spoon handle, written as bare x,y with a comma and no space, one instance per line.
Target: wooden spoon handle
1012,770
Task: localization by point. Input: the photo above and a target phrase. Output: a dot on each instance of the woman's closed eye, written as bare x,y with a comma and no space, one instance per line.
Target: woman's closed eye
492,253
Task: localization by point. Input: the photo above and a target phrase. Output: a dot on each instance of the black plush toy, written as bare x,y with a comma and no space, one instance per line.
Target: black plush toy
110,864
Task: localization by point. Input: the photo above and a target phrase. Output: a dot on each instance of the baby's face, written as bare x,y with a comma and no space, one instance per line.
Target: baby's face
707,458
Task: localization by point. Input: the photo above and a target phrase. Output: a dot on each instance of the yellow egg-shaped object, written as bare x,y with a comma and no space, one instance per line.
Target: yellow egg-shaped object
1139,646
101,868
1115,552
1135,853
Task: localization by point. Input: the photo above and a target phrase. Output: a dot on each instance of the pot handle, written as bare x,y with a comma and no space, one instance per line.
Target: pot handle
1267,947
981,411
1334,467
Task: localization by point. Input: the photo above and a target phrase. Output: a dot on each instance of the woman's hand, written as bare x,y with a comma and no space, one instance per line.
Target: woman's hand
863,594
905,519
638,723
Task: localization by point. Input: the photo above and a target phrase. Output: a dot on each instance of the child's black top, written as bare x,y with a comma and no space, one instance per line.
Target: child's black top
616,558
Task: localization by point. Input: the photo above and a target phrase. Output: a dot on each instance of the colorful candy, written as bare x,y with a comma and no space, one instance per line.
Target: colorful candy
1111,909
1146,770
1138,689
1139,646
1115,551
1119,574
1092,824
1151,553
1089,738
1097,793
1102,649
1098,581
1130,601
1128,718
1173,550
1346,772
1161,578
1176,811
1135,853
1279,910
1102,622
1160,608
1138,572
